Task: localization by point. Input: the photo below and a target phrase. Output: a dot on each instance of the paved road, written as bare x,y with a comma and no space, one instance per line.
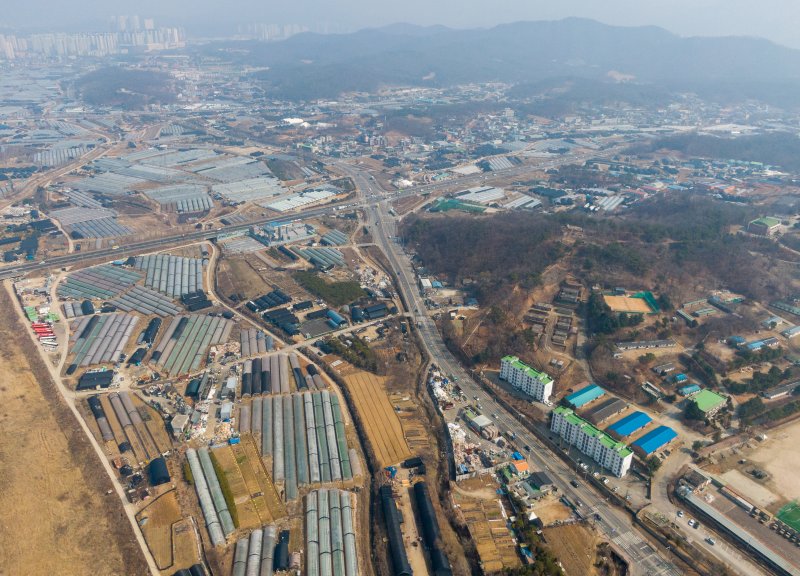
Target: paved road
615,524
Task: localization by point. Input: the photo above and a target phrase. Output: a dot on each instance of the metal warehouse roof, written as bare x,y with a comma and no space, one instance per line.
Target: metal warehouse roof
655,439
585,395
606,410
630,424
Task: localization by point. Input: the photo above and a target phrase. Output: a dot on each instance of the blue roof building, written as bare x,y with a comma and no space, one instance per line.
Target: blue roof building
585,395
630,424
678,378
654,440
690,389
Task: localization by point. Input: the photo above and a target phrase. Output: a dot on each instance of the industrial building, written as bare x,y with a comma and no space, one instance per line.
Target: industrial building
709,402
629,425
654,440
584,395
521,376
598,445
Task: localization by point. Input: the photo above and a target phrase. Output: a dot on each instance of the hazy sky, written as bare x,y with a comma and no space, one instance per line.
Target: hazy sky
778,20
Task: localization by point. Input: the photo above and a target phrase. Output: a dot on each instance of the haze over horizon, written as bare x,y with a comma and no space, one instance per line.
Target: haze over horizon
775,20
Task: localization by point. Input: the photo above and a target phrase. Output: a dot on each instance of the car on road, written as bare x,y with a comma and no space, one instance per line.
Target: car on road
680,513
692,522
604,480
574,483
710,540
527,448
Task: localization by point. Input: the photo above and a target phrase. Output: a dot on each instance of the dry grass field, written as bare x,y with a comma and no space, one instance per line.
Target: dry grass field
575,546
381,422
55,516
156,520
184,544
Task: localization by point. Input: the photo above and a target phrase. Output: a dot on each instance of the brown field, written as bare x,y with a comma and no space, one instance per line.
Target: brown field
417,433
184,544
245,510
247,477
381,422
161,514
487,527
258,481
550,510
154,425
55,516
235,275
574,545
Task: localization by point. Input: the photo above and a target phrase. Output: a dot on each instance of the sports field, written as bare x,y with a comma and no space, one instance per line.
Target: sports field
378,416
790,515
627,305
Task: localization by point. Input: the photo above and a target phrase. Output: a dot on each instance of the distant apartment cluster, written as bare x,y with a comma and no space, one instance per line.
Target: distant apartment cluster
521,376
132,35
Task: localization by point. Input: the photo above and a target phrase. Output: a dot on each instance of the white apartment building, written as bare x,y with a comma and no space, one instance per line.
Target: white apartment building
596,444
537,384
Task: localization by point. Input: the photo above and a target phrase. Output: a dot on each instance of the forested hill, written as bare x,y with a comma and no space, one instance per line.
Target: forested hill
309,66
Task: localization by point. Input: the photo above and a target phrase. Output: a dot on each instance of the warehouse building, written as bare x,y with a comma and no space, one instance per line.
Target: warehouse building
709,402
629,425
584,395
605,410
521,376
654,440
598,445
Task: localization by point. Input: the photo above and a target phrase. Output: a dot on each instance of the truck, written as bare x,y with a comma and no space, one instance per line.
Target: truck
511,434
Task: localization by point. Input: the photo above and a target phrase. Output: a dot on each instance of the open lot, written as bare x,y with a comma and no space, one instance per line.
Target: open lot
52,486
574,545
157,520
381,422
779,456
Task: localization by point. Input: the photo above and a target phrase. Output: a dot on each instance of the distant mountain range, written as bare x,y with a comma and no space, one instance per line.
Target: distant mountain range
310,66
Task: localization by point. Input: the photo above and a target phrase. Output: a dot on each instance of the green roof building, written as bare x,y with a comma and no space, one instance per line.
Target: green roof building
709,402
534,383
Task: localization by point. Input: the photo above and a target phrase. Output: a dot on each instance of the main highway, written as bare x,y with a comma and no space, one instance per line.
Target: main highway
616,524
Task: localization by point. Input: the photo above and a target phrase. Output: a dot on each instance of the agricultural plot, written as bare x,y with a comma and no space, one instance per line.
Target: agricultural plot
487,528
304,435
250,189
100,339
185,343
82,199
156,521
380,421
184,544
330,533
98,283
90,222
575,547
254,342
171,275
245,510
154,425
233,169
109,183
182,198
146,301
241,245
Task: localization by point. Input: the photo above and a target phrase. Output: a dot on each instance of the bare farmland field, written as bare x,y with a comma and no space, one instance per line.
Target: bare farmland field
575,546
160,515
381,423
52,486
